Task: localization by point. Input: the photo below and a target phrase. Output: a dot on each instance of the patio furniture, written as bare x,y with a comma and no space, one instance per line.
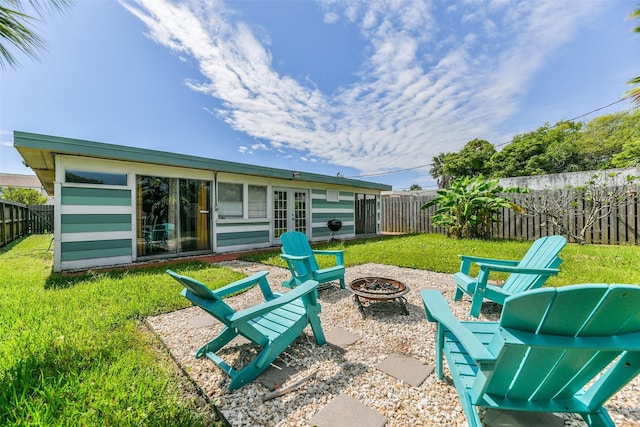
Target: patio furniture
540,262
545,352
272,325
302,263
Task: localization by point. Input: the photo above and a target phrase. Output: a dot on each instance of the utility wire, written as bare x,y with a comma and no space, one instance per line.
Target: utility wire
501,144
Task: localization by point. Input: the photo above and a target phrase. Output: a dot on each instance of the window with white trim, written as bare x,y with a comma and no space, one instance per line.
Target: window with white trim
230,200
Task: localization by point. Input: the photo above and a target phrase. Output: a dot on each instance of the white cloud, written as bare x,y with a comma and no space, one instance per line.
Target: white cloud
431,81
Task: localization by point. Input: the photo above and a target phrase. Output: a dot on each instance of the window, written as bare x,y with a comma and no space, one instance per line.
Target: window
257,201
102,178
333,196
241,201
230,198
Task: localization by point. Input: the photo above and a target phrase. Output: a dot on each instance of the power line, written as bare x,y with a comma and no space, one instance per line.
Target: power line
501,144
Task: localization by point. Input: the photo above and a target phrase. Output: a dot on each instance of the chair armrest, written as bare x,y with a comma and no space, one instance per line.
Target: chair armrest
294,257
438,311
268,306
521,270
467,260
490,260
247,282
338,253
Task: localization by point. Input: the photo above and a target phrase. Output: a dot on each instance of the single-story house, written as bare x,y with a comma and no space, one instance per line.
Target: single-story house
117,205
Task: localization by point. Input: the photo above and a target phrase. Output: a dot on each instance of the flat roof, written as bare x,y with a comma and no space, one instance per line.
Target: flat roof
39,152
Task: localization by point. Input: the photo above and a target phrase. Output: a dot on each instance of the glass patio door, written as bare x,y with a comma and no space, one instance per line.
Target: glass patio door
290,208
173,216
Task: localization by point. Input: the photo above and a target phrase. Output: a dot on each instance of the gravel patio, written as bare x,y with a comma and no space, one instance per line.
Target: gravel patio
342,370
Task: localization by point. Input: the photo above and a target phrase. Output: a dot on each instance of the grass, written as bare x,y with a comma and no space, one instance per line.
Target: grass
582,263
73,350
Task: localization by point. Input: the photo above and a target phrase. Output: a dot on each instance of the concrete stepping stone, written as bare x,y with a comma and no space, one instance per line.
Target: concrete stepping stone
202,321
503,418
406,369
277,374
346,411
340,337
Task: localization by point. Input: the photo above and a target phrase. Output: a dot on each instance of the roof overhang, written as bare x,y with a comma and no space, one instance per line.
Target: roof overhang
39,152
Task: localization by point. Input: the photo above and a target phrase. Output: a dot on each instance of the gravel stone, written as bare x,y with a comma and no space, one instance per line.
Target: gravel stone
351,370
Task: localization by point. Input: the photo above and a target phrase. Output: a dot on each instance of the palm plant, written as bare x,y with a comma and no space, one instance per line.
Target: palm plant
470,206
16,27
635,92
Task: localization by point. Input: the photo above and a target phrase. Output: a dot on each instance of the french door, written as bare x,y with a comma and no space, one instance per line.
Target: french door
290,211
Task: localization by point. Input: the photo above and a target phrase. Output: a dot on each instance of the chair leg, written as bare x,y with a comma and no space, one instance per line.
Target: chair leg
458,295
217,343
598,418
342,285
316,327
476,304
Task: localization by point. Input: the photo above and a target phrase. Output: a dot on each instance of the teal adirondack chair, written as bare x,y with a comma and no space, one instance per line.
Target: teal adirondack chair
273,325
540,262
549,345
302,263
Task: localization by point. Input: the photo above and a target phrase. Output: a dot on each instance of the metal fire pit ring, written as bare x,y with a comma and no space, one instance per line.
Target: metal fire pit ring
378,289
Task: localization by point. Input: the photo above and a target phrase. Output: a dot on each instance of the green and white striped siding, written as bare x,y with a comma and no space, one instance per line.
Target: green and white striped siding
231,236
96,227
323,210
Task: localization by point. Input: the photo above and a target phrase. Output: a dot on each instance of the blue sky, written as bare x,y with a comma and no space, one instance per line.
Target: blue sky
363,88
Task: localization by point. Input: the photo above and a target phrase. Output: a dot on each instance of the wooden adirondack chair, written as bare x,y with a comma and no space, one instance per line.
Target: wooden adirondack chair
273,325
540,262
548,345
302,263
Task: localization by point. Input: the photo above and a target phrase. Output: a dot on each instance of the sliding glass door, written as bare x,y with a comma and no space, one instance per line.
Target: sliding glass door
173,215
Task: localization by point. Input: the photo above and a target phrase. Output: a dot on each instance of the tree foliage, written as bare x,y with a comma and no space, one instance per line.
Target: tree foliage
548,149
469,207
26,196
604,142
17,27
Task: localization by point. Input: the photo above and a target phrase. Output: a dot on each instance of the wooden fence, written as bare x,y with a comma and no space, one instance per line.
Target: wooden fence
18,220
402,214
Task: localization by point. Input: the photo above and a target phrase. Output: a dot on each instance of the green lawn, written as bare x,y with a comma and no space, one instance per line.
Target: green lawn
582,264
73,350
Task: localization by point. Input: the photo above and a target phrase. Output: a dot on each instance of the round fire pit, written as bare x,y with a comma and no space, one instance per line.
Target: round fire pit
373,289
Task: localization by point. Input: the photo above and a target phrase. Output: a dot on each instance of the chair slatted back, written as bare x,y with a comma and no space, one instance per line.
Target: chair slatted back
558,362
199,294
297,244
542,254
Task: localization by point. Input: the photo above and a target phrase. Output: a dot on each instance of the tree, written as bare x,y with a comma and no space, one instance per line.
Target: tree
472,160
470,206
438,172
595,200
635,92
415,187
26,196
548,149
605,136
629,157
16,28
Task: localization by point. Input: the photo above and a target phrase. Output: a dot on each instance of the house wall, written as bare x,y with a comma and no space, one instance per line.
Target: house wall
323,210
96,224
